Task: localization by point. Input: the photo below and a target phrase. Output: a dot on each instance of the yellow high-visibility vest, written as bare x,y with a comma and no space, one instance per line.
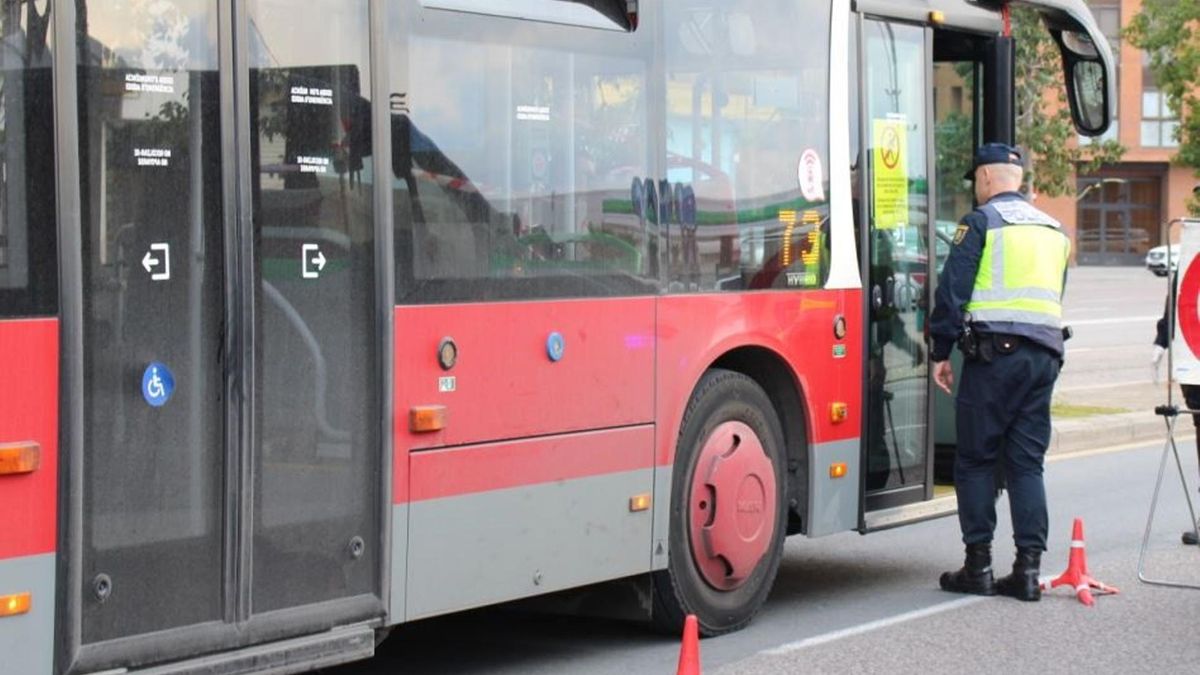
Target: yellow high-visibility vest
1021,269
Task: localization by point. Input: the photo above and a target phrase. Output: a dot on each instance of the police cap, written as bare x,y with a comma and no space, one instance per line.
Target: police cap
994,153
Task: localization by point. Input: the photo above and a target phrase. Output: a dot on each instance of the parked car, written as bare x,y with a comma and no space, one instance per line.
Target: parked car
1156,260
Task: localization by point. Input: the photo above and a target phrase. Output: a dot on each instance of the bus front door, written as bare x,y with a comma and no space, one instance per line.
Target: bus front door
229,473
896,74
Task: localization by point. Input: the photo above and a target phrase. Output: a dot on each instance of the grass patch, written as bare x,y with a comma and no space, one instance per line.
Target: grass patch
1068,411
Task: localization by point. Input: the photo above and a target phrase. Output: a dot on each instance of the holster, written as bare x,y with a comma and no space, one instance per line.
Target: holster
970,345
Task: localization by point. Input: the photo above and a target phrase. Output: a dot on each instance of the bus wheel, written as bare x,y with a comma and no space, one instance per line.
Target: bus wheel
728,513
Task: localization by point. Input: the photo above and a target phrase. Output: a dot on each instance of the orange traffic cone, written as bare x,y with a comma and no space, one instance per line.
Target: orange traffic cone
689,653
1077,571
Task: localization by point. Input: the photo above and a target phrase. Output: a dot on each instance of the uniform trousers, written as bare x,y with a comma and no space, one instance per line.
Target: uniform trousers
1003,411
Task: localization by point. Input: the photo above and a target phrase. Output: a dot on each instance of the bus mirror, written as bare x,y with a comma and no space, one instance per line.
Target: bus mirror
1089,97
1080,45
1088,88
1088,64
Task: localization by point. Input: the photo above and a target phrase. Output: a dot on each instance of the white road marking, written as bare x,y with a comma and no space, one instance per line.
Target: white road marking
1116,348
1116,319
1180,435
1106,385
872,626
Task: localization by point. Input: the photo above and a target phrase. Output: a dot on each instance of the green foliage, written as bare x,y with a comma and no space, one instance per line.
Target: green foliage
1167,30
1044,126
954,141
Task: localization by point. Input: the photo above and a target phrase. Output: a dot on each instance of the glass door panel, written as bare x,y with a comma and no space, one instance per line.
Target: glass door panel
956,131
153,264
316,442
897,62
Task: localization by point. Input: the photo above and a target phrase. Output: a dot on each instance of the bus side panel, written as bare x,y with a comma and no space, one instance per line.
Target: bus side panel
694,331
501,521
28,501
506,384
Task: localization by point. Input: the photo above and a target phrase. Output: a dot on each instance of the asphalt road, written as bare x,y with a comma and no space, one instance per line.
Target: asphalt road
849,603
1113,311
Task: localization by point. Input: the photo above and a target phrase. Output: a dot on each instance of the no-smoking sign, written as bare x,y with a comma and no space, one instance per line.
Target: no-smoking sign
889,150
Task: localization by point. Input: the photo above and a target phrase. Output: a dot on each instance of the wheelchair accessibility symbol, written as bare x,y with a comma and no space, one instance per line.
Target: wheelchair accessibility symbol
157,384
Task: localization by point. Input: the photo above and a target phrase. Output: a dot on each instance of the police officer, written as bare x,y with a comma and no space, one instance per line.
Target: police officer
1000,298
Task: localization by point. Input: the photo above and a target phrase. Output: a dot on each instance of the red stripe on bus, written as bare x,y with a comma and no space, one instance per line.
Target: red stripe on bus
496,466
695,331
506,383
29,412
627,362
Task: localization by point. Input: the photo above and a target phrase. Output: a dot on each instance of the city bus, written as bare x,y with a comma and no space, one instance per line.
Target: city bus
319,317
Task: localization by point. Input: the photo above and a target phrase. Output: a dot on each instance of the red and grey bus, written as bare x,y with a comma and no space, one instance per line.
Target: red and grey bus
318,317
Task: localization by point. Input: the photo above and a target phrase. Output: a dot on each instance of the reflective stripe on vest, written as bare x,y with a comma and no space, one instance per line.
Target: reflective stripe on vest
1020,273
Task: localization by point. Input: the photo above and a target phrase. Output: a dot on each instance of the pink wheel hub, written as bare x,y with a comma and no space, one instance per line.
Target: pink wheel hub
732,506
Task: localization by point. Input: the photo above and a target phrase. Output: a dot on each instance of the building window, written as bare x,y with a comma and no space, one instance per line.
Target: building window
1159,122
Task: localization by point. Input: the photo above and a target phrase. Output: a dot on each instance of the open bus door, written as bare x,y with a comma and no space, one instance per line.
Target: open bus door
929,94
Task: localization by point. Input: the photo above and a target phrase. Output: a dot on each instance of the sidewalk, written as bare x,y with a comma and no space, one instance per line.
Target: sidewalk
1109,416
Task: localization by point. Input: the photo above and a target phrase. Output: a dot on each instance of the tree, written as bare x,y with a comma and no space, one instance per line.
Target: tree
1044,126
1167,30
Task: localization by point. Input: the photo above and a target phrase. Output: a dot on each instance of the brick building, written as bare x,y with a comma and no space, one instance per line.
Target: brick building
1122,210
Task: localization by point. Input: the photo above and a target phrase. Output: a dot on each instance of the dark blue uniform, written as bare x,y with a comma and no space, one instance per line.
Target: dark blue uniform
1003,407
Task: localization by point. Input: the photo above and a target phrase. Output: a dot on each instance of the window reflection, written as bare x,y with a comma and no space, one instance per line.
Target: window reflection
153,258
897,371
316,457
610,14
520,171
28,269
747,144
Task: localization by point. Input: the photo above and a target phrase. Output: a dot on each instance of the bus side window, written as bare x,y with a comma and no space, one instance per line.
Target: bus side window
28,228
514,162
747,130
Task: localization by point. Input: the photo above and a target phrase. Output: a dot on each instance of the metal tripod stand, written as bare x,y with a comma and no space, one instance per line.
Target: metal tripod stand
1170,414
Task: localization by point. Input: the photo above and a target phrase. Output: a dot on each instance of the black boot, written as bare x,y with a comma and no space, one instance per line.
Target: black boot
975,577
1189,537
1023,583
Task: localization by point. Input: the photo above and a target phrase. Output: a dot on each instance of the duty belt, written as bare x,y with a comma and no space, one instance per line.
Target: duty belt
985,347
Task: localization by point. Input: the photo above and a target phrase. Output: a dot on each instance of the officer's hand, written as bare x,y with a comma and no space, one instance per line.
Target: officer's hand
1156,357
943,375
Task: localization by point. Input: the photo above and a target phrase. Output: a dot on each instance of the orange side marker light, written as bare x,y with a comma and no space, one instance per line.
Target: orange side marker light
639,503
17,458
838,470
424,419
14,605
838,412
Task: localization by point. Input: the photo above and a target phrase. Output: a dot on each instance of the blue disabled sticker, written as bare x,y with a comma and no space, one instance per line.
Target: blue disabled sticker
555,347
157,384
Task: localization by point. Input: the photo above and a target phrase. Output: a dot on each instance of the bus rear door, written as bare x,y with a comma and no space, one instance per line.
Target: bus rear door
228,484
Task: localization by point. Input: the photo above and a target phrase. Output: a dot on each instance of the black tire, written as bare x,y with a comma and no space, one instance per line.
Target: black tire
721,396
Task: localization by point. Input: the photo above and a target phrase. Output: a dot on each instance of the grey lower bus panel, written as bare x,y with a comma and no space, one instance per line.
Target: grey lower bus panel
340,645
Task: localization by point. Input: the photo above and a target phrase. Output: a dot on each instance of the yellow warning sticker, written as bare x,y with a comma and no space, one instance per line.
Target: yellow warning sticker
891,173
